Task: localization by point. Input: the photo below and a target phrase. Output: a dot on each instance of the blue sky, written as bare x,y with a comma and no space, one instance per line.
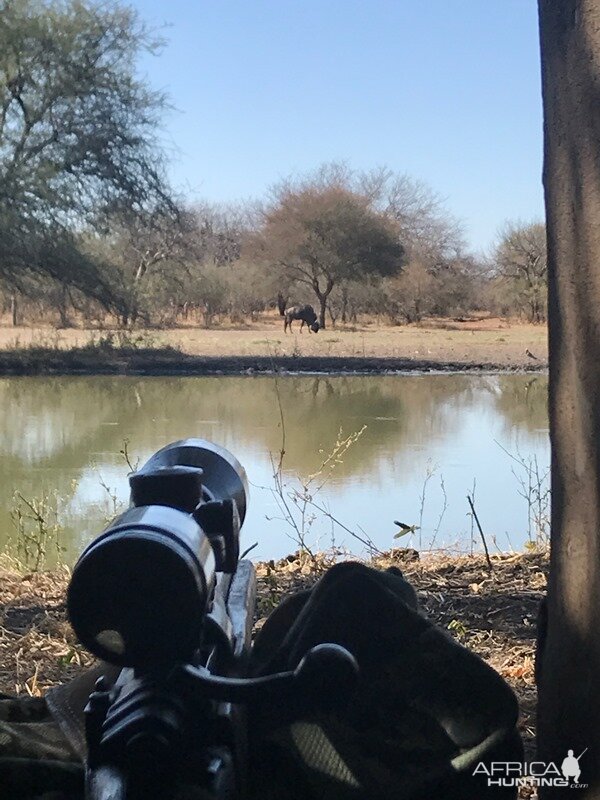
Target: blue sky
445,90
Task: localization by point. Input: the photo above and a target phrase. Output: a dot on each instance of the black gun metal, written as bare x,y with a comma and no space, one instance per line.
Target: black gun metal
162,594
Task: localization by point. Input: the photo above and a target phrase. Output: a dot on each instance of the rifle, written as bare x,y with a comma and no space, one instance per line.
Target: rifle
163,595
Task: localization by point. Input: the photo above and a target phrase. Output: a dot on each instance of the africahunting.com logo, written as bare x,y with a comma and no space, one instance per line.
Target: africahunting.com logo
536,773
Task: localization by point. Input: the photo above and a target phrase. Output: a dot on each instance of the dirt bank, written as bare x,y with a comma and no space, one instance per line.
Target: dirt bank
166,361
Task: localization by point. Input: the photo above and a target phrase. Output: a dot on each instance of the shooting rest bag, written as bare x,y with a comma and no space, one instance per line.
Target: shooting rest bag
424,713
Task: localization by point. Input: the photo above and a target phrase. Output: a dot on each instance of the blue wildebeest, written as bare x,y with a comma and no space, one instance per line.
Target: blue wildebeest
304,313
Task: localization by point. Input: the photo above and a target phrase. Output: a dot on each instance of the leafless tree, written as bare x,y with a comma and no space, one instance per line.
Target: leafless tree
522,260
427,231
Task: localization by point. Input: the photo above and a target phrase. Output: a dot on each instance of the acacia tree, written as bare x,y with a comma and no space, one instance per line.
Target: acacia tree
569,644
77,134
521,259
321,234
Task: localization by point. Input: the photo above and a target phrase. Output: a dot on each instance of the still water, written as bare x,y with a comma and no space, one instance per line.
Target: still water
62,436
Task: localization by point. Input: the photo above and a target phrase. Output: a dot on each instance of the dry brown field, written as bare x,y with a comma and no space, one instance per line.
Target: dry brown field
494,342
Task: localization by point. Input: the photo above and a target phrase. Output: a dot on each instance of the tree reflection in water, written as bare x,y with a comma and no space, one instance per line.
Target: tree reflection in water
53,429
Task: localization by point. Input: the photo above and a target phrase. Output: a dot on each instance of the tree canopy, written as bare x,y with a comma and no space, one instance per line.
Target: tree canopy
322,234
78,132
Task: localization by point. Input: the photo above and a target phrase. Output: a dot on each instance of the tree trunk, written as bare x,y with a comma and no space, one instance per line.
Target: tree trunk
62,308
323,299
418,315
322,310
14,309
569,693
281,304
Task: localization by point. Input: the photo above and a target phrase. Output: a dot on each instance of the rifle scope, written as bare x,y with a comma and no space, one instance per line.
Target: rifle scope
140,591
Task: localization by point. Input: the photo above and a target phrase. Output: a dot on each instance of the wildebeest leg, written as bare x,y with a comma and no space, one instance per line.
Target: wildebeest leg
301,326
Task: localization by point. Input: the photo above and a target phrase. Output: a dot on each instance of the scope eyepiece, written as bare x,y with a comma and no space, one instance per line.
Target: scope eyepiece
140,591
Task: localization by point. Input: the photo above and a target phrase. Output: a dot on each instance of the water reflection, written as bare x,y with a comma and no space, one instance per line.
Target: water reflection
65,434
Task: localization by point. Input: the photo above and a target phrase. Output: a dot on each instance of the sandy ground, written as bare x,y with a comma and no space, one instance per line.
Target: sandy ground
491,342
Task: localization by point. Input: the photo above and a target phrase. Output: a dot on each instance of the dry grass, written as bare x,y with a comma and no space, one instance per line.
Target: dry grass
37,646
488,341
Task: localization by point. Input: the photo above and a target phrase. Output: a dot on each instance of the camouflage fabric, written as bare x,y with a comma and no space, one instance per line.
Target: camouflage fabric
36,759
424,713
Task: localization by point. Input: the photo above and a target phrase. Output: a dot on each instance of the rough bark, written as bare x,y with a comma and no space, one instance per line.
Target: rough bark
569,691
